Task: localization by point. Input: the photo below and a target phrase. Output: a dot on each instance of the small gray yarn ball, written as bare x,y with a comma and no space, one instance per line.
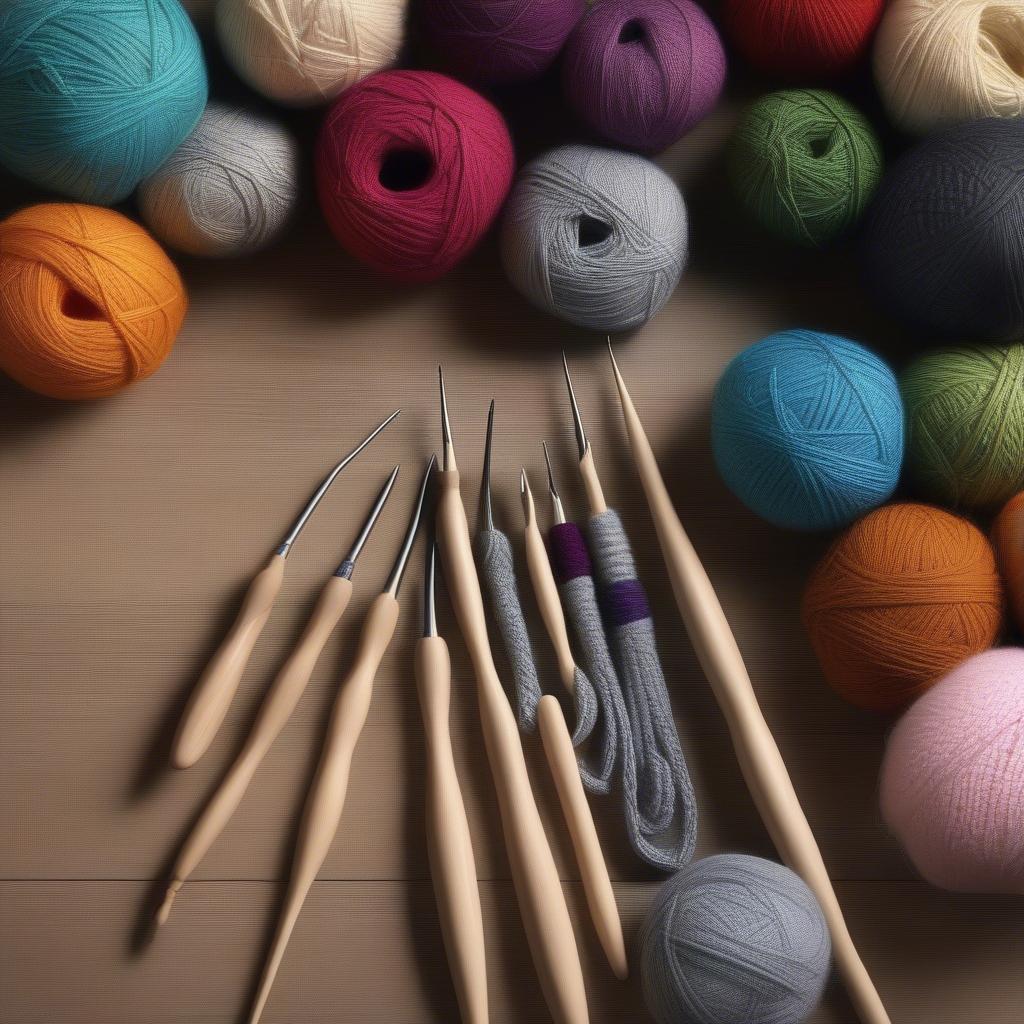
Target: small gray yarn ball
228,189
734,939
595,236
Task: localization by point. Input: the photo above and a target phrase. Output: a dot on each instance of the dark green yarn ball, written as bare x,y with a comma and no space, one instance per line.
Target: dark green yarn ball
805,164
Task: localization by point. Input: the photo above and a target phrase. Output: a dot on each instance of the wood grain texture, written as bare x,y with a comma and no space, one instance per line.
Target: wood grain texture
129,528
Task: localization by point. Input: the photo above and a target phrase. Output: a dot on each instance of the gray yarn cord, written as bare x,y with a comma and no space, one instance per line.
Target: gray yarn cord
494,558
665,801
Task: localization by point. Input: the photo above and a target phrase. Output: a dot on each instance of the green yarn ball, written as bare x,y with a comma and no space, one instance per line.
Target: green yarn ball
805,164
965,424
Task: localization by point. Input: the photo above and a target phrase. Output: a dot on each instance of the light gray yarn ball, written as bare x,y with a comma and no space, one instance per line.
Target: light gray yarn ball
228,189
734,939
595,236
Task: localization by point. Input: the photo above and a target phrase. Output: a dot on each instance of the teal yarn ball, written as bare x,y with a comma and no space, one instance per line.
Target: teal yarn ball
733,939
805,164
807,429
95,94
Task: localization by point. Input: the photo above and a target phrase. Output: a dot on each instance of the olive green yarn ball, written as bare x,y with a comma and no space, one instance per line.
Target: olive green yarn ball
965,424
805,164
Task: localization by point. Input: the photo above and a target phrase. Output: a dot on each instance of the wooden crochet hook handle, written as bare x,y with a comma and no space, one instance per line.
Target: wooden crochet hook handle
450,847
212,695
757,753
541,900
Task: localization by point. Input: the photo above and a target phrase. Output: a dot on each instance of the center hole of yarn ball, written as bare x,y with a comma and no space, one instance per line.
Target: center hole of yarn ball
592,231
631,32
403,170
820,146
76,306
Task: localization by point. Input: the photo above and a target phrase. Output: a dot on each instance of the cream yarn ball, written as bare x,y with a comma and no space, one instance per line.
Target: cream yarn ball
228,189
305,52
940,62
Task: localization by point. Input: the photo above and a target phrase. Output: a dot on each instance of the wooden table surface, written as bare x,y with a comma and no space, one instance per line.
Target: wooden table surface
129,527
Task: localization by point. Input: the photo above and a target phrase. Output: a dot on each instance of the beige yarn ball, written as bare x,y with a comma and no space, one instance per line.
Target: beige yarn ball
302,53
940,62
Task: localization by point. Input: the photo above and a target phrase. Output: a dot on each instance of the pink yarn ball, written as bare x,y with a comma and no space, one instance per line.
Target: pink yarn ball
642,73
412,168
953,776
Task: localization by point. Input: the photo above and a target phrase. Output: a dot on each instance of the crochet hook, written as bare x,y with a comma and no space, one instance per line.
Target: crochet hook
541,900
561,756
756,751
277,707
326,800
449,845
216,687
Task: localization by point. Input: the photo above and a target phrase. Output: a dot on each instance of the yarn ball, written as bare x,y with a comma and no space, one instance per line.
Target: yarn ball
302,54
801,39
904,595
965,424
89,302
642,73
944,239
805,164
1008,540
953,773
500,41
228,189
94,96
807,429
412,168
595,236
732,939
939,62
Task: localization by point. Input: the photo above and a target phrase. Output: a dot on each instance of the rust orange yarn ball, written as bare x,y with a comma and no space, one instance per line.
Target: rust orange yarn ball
89,302
903,596
1008,540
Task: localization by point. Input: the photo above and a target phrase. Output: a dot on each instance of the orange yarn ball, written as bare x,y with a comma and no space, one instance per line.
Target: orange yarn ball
903,596
89,302
1008,540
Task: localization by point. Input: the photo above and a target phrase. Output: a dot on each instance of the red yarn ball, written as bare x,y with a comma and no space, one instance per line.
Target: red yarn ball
800,39
412,167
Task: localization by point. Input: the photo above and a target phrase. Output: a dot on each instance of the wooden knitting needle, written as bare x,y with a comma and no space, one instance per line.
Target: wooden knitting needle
216,687
756,751
326,800
560,753
278,705
541,900
449,845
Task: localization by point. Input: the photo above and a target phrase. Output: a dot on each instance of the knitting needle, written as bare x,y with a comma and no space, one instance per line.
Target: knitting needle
756,750
216,687
278,705
560,753
326,800
541,900
448,839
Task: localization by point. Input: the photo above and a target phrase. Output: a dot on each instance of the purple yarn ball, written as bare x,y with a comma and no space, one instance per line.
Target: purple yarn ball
500,41
642,73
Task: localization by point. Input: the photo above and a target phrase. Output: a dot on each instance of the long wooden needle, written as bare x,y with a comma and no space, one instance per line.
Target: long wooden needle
541,900
756,750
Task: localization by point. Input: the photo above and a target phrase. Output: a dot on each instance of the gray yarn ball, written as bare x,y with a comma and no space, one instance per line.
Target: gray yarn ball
734,939
595,236
228,189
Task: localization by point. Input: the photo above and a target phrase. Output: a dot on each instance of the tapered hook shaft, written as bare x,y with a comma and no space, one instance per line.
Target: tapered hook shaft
397,571
556,502
577,420
348,563
486,509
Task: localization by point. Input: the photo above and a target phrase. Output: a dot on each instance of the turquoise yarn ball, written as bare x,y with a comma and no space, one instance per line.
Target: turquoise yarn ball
95,94
807,429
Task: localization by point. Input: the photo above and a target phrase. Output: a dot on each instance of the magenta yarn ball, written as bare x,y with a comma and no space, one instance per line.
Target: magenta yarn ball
953,776
642,73
500,41
412,167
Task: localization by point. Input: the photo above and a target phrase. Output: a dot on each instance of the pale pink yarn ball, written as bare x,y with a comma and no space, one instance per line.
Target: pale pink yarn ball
953,777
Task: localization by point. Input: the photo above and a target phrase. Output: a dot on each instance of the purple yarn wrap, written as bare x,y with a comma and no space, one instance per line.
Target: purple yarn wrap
500,41
567,549
624,602
642,73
